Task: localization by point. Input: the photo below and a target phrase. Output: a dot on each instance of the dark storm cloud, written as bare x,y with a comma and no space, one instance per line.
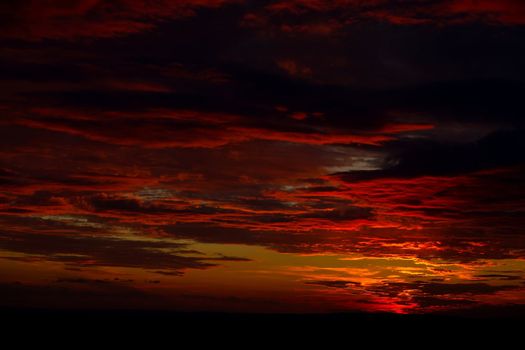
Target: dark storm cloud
412,158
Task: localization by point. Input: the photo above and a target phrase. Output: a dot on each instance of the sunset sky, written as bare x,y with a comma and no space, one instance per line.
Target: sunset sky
284,156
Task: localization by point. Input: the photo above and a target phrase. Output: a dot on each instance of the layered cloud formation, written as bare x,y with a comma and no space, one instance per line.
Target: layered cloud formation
143,143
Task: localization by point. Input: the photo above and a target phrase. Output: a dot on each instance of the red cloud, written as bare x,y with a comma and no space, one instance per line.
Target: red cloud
91,18
511,12
63,212
183,128
293,68
44,19
302,16
137,153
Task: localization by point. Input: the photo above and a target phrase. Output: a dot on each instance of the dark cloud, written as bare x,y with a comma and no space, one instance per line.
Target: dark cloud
334,284
426,288
299,16
411,158
91,18
82,251
440,289
500,276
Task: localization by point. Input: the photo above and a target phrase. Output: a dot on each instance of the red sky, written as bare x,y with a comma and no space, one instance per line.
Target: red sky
267,156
